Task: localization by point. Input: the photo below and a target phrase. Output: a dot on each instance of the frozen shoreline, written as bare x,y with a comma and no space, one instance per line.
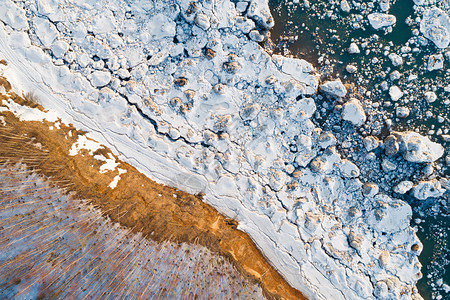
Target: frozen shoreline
224,132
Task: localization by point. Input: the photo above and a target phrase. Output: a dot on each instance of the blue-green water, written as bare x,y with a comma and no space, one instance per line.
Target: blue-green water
321,33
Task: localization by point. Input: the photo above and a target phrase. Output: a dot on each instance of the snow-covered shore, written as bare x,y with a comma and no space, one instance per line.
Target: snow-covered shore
182,91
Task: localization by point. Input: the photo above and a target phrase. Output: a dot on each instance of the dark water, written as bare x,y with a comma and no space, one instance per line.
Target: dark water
310,33
321,33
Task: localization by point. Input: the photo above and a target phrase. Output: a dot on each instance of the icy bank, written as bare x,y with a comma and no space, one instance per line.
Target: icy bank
180,90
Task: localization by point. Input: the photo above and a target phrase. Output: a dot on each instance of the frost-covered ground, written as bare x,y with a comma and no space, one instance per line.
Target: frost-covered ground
183,91
54,246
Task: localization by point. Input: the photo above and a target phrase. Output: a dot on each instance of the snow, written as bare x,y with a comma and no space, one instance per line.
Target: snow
25,113
225,132
109,165
116,179
84,143
13,16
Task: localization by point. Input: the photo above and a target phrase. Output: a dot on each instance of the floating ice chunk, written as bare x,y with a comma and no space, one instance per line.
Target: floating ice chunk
100,78
371,143
123,74
384,5
45,31
59,49
435,62
244,24
412,77
396,59
426,189
353,111
353,49
379,20
435,26
259,11
79,32
13,16
370,189
305,105
402,112
84,60
351,69
241,6
430,97
349,169
277,180
395,75
334,88
418,148
300,70
47,7
345,6
103,23
256,36
403,187
305,153
388,166
395,93
327,139
391,145
202,21
160,26
390,216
